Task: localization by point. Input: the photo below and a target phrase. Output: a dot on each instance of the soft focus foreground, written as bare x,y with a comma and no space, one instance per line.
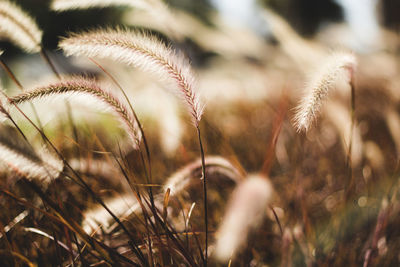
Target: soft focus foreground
236,135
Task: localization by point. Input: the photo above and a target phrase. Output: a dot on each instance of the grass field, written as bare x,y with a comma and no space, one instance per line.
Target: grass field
167,138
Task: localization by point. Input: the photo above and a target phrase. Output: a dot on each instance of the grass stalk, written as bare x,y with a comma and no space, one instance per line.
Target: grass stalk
135,248
140,127
48,61
349,159
203,170
19,85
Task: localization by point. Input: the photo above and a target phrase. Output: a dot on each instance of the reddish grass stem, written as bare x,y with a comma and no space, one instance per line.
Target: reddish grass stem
148,173
135,248
46,58
146,146
276,130
203,170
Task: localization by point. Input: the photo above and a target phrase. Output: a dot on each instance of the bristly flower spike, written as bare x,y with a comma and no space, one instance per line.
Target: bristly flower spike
62,5
19,28
144,52
338,66
82,86
148,54
246,209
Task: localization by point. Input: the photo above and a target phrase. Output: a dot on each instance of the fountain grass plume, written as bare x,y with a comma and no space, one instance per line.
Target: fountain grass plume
246,209
149,54
21,158
19,28
96,217
82,86
338,66
214,165
33,169
62,5
143,51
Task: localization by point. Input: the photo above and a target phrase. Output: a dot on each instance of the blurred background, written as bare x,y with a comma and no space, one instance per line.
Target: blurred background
252,60
307,17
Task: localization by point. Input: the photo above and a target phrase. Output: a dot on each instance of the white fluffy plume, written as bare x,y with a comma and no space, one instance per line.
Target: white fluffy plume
61,5
184,176
246,209
19,28
78,86
121,206
16,156
338,66
144,52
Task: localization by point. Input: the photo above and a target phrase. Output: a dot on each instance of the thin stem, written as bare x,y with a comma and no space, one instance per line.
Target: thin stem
203,169
276,130
277,220
15,80
349,159
48,61
46,58
135,248
71,122
11,74
83,261
170,232
14,123
146,146
353,108
61,217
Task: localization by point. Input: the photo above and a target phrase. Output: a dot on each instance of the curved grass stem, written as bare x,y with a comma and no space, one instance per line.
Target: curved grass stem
203,170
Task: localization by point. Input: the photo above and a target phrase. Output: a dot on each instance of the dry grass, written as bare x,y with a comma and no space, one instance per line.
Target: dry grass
79,189
19,27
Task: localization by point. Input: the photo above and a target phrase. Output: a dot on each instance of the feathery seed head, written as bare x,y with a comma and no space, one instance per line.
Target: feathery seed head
338,66
19,28
21,158
82,86
1,52
97,216
214,164
62,5
36,170
144,52
246,209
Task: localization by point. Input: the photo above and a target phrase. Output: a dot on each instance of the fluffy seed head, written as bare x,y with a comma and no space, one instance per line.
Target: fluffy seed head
338,66
17,156
81,86
19,28
144,52
97,216
31,169
61,5
1,52
246,209
214,164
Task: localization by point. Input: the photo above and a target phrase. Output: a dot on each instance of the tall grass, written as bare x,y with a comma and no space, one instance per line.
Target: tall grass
77,86
78,189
